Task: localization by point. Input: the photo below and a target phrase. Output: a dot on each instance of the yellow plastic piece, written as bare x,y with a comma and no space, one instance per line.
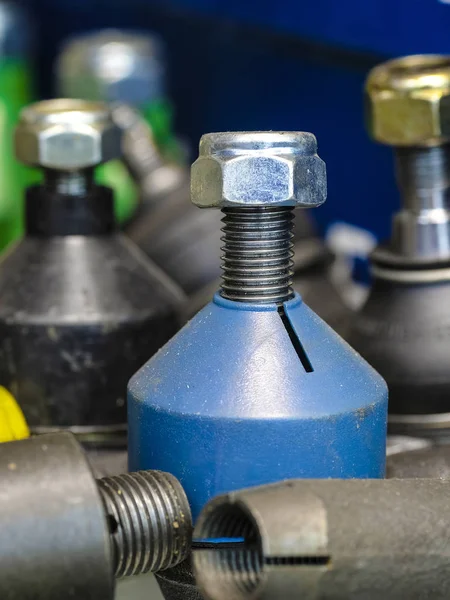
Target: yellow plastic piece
12,422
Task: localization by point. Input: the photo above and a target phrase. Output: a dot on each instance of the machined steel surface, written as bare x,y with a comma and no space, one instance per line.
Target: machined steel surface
328,539
66,535
422,228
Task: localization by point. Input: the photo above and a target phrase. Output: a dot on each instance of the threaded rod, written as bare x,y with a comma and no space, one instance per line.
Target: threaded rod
423,175
149,518
257,260
422,227
69,183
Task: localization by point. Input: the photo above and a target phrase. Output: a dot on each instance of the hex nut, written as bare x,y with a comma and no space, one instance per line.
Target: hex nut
67,135
113,66
258,169
408,101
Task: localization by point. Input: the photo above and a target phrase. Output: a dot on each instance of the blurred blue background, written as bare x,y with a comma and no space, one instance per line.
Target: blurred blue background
273,64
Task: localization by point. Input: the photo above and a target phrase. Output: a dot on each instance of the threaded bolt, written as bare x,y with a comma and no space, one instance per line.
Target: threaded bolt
149,520
67,139
69,183
257,261
257,179
408,108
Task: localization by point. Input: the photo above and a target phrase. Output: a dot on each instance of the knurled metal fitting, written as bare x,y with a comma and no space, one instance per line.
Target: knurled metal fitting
149,519
70,535
113,66
408,101
258,168
66,134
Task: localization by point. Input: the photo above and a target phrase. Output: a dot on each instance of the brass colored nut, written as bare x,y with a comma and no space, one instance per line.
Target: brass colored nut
408,101
67,135
258,168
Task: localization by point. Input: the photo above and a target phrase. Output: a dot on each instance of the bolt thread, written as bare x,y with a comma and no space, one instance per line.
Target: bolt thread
423,175
69,183
257,260
149,519
140,152
235,572
421,229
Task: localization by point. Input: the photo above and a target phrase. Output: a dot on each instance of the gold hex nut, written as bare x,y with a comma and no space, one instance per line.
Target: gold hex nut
408,101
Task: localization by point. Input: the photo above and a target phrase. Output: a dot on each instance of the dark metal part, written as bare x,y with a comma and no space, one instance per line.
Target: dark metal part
184,243
403,331
65,535
82,309
406,458
403,328
257,261
313,282
54,540
328,539
430,461
178,583
50,213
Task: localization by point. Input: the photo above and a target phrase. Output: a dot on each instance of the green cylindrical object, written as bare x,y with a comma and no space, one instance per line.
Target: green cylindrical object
15,92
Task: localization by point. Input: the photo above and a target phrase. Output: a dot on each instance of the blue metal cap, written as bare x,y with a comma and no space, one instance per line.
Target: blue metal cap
229,402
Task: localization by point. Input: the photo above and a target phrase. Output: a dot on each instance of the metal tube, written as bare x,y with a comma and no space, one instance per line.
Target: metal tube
422,228
328,539
65,535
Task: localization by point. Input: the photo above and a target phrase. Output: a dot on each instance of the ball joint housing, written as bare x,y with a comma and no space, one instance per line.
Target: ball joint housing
401,330
81,307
